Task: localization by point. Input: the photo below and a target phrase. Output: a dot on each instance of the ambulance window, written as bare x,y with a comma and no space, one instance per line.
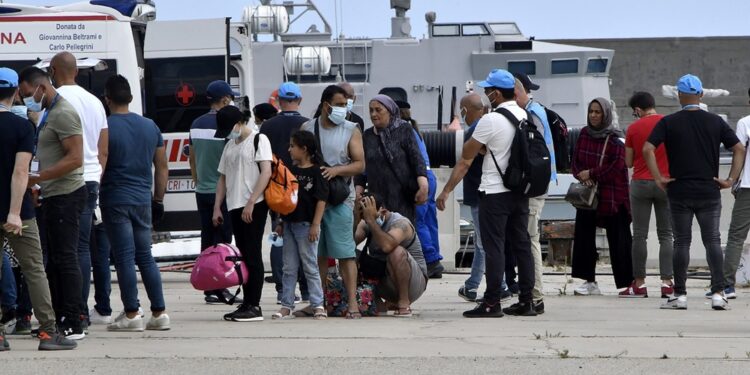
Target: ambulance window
176,89
94,81
526,67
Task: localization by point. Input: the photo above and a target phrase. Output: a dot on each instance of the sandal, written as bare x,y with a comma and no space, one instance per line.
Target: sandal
353,314
320,313
403,312
307,312
283,314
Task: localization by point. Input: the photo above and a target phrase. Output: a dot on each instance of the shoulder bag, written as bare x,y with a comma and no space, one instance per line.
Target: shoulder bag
586,197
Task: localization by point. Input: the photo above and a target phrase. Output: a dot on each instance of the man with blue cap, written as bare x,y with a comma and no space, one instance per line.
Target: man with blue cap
694,185
502,212
205,153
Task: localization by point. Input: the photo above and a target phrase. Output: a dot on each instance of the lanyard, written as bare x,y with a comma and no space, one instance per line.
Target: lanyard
43,123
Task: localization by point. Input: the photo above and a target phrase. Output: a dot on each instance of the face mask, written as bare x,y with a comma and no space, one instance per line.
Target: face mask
32,104
337,115
232,103
349,104
380,221
20,111
233,135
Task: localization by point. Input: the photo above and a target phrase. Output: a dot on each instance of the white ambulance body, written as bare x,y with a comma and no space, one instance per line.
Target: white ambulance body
168,64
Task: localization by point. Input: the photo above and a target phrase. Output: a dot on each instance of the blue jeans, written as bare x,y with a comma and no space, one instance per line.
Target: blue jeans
100,257
707,212
427,224
84,241
129,231
300,252
477,263
7,284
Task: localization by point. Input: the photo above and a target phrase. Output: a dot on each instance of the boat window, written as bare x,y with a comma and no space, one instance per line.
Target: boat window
395,93
445,30
473,30
525,67
505,28
597,66
565,66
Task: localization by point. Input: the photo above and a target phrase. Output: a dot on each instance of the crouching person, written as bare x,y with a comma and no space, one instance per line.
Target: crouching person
392,254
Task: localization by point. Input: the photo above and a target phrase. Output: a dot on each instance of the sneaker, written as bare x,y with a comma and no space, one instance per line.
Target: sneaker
469,295
633,291
269,279
539,306
435,270
8,319
675,303
85,324
4,346
521,309
484,310
514,289
55,341
221,298
96,318
125,324
245,313
588,289
719,302
160,323
667,290
23,326
729,292
506,296
71,329
122,314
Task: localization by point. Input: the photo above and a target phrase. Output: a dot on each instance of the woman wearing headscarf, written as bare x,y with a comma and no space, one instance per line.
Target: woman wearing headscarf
394,168
613,211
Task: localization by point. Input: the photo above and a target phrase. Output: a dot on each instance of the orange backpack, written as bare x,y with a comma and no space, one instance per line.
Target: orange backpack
282,191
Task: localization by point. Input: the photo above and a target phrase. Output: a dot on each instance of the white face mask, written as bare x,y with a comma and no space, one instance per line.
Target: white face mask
349,105
337,115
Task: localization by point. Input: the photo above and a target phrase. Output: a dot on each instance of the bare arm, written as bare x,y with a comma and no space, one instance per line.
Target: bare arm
191,160
359,232
103,147
357,154
221,192
470,151
161,173
629,157
389,241
260,185
73,159
738,158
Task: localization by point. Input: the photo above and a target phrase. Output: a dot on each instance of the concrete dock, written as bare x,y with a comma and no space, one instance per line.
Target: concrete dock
581,335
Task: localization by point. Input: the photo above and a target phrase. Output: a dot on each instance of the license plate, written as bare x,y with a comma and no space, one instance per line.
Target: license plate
180,185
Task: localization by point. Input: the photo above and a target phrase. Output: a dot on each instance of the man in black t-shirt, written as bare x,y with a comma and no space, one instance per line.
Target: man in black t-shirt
691,138
279,130
17,222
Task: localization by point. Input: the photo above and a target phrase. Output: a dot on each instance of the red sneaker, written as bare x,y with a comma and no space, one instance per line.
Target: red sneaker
666,290
634,292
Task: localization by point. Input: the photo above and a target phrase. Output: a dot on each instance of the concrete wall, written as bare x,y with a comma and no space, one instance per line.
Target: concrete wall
648,63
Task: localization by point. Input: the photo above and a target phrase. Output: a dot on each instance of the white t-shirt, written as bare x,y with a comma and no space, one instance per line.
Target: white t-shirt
743,133
93,119
239,164
496,132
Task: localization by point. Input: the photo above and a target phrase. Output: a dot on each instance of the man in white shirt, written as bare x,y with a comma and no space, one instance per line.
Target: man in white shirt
63,71
501,212
740,224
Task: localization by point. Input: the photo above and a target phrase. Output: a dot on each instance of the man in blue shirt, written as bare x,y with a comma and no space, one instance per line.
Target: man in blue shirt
128,207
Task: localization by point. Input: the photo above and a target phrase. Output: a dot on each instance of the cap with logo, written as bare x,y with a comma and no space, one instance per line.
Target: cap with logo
220,89
8,77
499,78
289,91
226,119
689,84
526,82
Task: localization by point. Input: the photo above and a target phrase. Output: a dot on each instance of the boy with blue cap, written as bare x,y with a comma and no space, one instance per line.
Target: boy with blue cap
693,187
502,212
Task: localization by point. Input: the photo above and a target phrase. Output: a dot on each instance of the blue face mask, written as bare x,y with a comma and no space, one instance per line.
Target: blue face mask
380,221
337,115
33,105
349,105
20,110
233,135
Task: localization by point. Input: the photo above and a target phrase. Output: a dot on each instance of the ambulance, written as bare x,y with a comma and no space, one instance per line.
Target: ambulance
168,64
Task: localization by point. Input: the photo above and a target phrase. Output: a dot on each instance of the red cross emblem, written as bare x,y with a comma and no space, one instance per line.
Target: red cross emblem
185,94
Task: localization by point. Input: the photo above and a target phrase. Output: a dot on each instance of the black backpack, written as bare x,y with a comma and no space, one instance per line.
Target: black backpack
559,130
529,168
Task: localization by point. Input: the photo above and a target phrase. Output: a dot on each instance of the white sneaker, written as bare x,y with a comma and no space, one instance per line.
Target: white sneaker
158,324
675,303
124,324
588,289
96,318
719,302
122,314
